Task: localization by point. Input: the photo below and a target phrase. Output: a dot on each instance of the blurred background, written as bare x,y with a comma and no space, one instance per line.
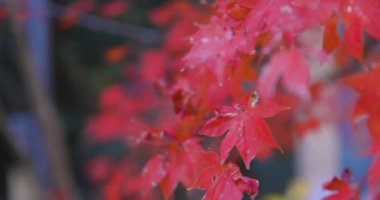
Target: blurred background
52,69
56,58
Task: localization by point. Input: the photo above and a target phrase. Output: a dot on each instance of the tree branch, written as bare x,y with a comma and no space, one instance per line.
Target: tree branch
46,114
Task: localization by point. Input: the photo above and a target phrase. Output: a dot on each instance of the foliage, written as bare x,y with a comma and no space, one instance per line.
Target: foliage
221,70
241,47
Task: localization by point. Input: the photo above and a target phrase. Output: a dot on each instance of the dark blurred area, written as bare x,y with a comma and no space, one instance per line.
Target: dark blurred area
70,66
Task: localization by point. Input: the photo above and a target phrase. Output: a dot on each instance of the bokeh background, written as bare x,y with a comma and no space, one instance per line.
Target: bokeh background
54,65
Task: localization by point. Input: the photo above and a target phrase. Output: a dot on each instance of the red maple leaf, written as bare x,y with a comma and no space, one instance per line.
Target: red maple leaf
368,103
213,46
368,106
222,181
209,169
153,172
225,181
178,165
359,16
244,127
224,189
342,187
353,36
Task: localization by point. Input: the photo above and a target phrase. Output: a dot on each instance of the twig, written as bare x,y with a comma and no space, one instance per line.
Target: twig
46,114
139,34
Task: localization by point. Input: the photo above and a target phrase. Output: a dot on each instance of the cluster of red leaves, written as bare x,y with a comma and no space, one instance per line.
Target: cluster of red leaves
208,68
217,45
222,181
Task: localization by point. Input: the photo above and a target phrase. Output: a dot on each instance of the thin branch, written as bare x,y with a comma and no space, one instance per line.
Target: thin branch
139,34
46,114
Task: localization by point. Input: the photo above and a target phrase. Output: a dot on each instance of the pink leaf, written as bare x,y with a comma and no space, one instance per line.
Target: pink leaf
153,172
245,129
224,189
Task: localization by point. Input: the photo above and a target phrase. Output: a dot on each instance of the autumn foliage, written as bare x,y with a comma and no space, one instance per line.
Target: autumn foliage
222,70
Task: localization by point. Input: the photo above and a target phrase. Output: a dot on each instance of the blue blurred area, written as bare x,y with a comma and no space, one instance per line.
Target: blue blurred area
27,134
353,152
38,35
355,141
23,124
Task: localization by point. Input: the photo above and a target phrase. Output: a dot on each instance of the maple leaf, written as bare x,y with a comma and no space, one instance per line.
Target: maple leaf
213,46
359,16
222,181
176,167
284,18
237,26
209,169
353,36
224,189
168,170
244,128
368,103
225,181
171,169
292,68
153,172
342,187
